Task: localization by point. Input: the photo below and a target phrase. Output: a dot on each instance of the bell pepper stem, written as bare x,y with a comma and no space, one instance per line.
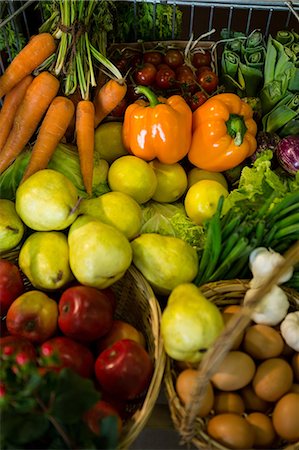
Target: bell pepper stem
152,98
236,128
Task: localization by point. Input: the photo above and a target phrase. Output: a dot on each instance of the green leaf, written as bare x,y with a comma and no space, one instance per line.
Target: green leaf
23,428
76,391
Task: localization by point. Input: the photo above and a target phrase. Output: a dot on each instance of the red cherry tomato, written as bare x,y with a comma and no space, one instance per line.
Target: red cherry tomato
203,69
200,59
124,370
85,313
173,58
208,80
197,99
186,78
11,284
153,57
69,353
146,74
165,78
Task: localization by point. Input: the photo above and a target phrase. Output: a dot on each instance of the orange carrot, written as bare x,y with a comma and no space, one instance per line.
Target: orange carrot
36,101
51,132
10,105
37,50
107,98
85,141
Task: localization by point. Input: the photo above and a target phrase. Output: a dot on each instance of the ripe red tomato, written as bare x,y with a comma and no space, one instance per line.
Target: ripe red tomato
203,69
186,78
69,353
197,99
208,80
146,74
152,57
99,411
165,78
85,313
12,345
200,59
173,58
11,284
124,370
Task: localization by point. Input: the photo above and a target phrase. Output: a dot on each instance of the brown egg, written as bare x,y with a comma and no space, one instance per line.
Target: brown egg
231,430
286,417
262,342
252,401
230,402
263,429
235,371
273,378
185,384
295,366
227,314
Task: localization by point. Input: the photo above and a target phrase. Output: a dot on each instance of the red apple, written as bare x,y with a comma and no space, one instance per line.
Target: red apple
124,369
11,284
99,411
33,315
85,313
120,330
62,351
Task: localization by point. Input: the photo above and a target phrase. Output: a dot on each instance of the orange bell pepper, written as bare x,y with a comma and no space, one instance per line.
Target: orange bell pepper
159,129
223,133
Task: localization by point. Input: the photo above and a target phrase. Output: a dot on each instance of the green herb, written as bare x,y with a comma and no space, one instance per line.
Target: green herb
45,410
11,40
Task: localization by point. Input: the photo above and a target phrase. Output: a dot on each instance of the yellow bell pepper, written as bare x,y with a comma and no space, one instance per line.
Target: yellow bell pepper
223,133
160,129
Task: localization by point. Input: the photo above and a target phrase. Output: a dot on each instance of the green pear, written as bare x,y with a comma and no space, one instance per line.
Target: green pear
108,143
165,261
190,324
44,259
99,253
47,201
117,209
11,226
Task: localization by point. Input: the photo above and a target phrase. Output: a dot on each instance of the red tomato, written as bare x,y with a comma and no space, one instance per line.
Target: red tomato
153,57
131,94
12,345
85,313
197,99
200,59
203,69
146,74
119,110
99,411
11,284
122,65
173,58
165,78
69,353
186,79
208,80
124,370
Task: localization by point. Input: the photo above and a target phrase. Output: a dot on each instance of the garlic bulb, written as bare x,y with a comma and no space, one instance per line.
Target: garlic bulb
289,328
262,262
273,307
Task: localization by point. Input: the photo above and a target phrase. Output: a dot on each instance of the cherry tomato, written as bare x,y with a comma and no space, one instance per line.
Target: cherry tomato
200,59
186,79
153,57
208,80
173,58
69,353
165,78
122,65
119,110
203,69
124,370
197,99
146,74
163,66
131,94
85,313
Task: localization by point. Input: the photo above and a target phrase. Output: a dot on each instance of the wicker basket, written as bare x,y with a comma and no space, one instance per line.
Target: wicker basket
222,294
136,304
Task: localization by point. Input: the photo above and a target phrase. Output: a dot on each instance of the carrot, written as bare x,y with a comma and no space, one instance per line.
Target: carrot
35,52
10,105
36,101
85,141
107,98
52,130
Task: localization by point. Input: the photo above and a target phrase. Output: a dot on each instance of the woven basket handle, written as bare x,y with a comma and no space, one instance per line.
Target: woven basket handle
215,355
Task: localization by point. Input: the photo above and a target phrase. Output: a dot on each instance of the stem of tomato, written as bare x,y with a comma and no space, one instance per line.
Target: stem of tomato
152,98
236,128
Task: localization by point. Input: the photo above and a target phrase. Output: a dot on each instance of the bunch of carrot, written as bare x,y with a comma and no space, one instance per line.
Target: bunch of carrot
33,104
